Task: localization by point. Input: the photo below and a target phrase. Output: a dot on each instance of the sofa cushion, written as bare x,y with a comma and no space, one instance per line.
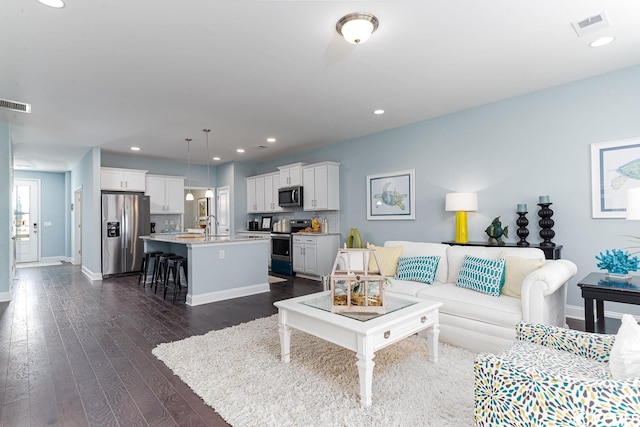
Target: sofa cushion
412,249
418,268
515,270
467,304
388,258
456,254
625,354
482,275
412,288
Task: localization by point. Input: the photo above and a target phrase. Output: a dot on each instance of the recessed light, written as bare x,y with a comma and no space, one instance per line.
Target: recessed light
216,158
58,4
135,148
240,150
378,112
602,41
271,140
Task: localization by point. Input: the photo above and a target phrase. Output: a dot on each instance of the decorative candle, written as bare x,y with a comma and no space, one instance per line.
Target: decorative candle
544,199
522,207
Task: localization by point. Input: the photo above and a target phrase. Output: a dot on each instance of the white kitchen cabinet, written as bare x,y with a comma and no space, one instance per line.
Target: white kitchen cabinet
116,179
262,193
314,254
255,194
252,206
321,186
166,194
291,175
271,185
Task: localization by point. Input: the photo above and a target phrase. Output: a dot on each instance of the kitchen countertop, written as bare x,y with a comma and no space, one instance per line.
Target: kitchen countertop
197,239
301,233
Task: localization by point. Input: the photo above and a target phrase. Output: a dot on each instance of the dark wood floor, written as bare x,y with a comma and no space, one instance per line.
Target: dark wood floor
76,353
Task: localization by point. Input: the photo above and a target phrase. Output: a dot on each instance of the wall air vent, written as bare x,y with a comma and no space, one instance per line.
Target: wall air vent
15,106
591,24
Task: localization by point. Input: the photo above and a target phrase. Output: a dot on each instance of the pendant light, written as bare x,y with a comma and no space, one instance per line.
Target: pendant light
209,193
189,194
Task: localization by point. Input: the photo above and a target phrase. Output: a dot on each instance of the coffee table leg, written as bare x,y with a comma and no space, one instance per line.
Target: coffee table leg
365,370
285,339
433,334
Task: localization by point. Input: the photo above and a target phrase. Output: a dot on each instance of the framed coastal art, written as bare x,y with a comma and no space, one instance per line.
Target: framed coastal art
391,195
615,167
203,208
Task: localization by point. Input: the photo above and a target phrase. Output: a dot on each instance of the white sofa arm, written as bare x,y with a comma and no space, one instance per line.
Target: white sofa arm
544,293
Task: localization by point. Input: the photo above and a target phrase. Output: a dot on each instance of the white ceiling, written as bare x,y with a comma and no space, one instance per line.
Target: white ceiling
150,73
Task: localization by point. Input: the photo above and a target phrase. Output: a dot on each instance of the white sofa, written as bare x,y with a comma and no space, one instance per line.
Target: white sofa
478,321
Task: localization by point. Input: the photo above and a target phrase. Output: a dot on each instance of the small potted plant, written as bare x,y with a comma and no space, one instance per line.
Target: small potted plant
618,264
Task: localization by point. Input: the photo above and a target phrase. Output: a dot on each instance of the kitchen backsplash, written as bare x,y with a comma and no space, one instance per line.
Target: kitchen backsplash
166,223
332,217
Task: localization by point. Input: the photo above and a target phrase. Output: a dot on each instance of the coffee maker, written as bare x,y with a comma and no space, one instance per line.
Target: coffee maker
254,225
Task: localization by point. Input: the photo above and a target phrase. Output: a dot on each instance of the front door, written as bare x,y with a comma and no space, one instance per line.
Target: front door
223,210
26,219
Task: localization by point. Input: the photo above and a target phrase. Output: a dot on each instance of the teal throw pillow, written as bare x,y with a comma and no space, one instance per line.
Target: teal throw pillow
482,275
418,268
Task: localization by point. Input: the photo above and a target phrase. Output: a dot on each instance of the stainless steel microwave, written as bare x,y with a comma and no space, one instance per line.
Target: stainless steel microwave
290,196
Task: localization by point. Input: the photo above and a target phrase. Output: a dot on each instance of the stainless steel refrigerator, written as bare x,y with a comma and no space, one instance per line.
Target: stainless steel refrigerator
125,217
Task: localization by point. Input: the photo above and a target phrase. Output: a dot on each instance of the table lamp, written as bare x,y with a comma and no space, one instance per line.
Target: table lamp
461,203
633,203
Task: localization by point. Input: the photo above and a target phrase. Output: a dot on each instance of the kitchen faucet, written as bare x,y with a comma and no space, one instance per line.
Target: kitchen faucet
207,228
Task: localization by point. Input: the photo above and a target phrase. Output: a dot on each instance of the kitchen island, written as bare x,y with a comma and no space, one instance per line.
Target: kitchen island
219,267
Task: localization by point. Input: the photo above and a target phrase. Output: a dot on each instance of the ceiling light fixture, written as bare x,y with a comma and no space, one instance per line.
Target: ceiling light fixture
378,112
135,148
602,41
240,150
356,28
189,194
209,193
58,4
216,158
271,140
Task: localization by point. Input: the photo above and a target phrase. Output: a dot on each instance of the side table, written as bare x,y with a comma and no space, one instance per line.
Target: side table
596,288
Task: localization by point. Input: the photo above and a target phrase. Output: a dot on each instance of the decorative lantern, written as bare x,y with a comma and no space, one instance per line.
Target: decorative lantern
357,282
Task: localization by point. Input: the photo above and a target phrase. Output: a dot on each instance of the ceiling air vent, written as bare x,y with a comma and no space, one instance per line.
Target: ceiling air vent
591,24
15,106
261,147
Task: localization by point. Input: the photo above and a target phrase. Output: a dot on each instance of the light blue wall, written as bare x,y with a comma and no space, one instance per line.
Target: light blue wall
198,173
5,211
53,203
86,174
510,152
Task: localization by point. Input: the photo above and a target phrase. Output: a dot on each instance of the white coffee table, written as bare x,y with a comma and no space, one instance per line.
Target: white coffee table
363,333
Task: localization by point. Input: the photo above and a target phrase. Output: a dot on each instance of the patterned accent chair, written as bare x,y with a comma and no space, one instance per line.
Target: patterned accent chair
553,376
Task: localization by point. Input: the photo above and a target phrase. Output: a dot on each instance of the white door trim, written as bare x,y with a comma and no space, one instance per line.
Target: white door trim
37,197
76,228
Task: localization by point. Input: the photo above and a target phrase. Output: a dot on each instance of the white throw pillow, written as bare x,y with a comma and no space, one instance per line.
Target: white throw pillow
515,270
624,361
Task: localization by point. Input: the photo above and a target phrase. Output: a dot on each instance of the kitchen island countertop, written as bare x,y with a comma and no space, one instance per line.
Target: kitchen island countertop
199,239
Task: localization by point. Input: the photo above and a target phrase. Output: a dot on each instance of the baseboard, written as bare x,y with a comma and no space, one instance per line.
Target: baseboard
5,296
576,312
227,294
90,274
54,258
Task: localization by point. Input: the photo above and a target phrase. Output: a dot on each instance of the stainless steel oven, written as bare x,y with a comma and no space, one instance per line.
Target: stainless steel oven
282,247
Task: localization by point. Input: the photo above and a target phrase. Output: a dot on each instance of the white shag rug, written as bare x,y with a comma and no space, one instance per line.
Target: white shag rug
238,372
